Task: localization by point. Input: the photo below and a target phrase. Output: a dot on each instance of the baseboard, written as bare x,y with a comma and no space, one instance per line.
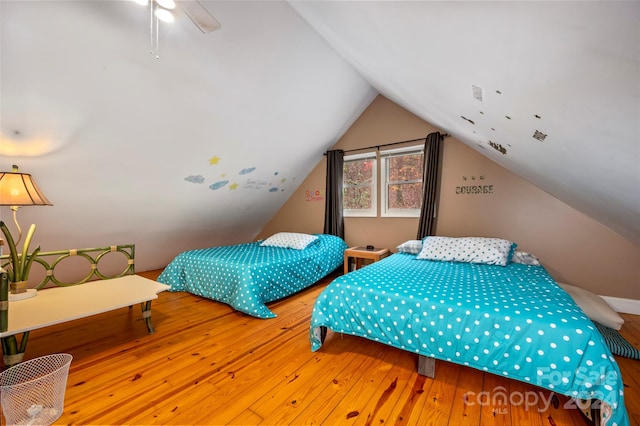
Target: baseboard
627,306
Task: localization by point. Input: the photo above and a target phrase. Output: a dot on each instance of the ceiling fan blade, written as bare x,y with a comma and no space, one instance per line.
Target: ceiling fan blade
200,16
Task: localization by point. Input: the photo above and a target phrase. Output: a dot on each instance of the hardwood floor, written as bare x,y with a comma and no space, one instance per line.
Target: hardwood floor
208,364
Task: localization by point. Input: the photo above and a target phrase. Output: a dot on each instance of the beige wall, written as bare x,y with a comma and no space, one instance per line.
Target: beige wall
572,247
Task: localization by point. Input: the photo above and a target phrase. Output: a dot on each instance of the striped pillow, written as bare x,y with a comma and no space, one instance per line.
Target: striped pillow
410,247
616,343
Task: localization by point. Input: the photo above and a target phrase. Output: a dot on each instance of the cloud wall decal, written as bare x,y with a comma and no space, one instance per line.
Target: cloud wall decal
195,179
218,185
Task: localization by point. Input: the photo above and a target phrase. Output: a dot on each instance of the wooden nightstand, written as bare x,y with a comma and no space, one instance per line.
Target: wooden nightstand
359,254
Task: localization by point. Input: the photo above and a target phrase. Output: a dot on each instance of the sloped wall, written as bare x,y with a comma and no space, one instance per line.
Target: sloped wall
574,248
190,150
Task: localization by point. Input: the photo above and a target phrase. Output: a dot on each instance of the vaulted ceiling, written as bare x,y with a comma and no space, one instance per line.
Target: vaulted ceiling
549,90
202,145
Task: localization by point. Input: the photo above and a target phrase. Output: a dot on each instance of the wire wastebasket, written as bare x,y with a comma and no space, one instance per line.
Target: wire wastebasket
32,392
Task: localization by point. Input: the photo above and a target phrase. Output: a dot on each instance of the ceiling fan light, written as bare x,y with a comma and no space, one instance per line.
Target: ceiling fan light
164,15
167,4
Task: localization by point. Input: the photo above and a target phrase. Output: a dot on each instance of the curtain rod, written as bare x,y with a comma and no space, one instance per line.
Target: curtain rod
377,147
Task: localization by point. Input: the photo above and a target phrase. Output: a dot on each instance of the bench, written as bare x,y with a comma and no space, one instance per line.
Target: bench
58,302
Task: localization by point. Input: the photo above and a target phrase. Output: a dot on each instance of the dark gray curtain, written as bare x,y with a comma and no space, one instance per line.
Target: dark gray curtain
333,218
430,185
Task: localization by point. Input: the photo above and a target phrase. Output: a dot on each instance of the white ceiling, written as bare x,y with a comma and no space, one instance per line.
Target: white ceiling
570,70
130,148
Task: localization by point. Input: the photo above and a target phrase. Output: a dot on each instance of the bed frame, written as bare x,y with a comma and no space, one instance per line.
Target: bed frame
427,368
426,365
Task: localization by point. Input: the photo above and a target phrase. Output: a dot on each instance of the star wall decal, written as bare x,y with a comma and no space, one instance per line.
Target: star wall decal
233,186
214,160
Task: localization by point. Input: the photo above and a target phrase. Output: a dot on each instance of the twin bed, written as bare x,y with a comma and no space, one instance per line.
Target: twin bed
247,276
464,300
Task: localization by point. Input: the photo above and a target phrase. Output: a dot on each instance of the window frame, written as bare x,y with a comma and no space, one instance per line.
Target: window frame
385,155
373,211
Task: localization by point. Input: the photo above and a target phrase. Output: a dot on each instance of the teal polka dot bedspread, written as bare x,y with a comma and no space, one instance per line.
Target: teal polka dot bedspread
513,321
246,276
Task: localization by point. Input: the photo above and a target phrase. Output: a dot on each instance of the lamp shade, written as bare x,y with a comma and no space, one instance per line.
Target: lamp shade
19,189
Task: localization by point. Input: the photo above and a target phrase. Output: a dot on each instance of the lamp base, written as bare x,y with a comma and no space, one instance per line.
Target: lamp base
31,292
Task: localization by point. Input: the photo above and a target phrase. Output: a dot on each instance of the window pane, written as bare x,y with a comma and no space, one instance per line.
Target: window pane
357,198
402,191
358,172
404,196
358,186
404,168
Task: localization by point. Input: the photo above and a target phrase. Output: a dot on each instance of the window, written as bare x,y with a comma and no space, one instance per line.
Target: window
400,183
401,187
359,185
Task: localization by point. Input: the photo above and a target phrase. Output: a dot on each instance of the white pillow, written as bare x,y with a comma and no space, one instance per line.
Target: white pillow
289,240
594,306
490,251
410,247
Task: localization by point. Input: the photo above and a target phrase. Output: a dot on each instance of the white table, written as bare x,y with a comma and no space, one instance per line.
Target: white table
61,304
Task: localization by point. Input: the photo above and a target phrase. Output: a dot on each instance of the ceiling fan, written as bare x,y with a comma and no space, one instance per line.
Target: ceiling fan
194,9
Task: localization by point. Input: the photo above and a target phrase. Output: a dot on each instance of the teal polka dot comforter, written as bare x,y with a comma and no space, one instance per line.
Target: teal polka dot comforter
246,276
513,321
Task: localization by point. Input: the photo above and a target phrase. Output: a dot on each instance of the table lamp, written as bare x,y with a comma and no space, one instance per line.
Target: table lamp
17,190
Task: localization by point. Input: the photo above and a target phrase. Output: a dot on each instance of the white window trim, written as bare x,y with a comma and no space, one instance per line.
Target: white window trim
373,211
384,176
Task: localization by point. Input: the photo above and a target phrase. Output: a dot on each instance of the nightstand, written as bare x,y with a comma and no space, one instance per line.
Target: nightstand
360,254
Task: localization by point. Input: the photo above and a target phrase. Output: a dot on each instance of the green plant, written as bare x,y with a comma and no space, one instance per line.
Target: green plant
17,272
20,264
